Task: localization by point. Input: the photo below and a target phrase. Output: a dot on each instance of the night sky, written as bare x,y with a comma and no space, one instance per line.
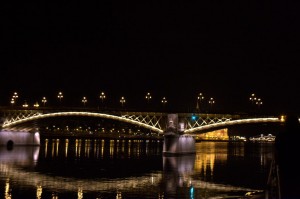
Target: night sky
224,49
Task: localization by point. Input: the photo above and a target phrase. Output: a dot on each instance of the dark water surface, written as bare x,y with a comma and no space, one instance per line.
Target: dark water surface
91,168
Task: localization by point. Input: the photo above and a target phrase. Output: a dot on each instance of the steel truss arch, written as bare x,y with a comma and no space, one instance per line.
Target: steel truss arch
152,122
203,121
19,115
231,122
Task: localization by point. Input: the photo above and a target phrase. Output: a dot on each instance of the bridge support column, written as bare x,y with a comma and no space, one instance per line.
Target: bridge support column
10,138
179,145
175,143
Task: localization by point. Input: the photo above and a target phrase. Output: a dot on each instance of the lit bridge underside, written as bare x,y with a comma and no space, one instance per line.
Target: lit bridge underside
155,122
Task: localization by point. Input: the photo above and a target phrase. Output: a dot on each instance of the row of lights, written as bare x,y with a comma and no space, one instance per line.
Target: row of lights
84,99
201,98
254,100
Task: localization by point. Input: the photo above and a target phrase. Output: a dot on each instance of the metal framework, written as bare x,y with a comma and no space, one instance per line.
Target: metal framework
227,122
16,116
203,121
152,121
146,121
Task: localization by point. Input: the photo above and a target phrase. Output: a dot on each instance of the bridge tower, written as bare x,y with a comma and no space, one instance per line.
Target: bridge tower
175,142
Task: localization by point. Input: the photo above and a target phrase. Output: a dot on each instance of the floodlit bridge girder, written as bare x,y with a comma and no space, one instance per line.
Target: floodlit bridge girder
148,122
226,122
153,121
204,121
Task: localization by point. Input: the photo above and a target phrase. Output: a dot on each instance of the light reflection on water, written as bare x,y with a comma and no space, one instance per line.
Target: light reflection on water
84,168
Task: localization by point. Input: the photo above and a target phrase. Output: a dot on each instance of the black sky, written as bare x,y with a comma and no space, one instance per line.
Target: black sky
224,49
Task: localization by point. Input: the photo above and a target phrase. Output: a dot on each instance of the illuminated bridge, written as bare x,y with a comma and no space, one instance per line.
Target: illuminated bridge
20,126
188,123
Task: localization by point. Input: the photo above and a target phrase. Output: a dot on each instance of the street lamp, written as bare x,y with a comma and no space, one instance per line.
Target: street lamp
15,95
102,97
200,98
44,100
14,98
84,100
12,101
148,97
60,96
122,100
164,101
211,102
252,98
25,105
259,102
36,105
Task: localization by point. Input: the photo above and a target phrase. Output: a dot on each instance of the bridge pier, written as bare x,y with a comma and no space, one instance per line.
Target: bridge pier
175,143
11,138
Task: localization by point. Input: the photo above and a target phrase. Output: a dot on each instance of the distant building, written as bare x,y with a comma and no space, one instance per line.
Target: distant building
263,138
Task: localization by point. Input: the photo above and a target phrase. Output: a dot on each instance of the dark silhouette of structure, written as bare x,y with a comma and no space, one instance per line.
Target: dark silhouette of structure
287,165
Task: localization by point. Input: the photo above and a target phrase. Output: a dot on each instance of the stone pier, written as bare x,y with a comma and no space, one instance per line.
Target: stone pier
176,143
12,138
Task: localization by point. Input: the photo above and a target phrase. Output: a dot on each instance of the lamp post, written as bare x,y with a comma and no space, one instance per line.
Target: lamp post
252,99
102,97
148,97
36,105
44,100
15,95
14,98
164,102
122,100
25,105
200,98
211,102
60,96
259,102
12,102
84,100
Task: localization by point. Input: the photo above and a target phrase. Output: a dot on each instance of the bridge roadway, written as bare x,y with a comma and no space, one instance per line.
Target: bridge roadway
187,123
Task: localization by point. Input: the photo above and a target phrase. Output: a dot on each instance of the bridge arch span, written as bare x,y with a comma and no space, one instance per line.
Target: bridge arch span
85,114
230,123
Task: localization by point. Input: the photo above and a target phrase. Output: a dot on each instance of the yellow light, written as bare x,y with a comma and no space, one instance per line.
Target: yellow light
25,105
282,118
